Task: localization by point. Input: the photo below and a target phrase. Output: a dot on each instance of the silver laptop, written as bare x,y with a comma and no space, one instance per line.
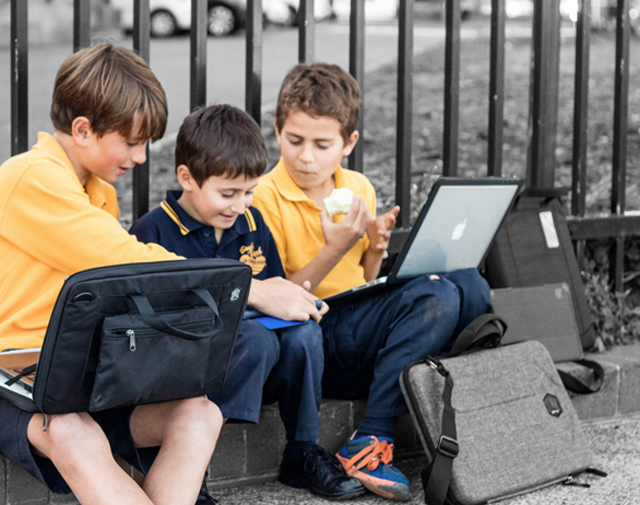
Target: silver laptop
15,370
454,230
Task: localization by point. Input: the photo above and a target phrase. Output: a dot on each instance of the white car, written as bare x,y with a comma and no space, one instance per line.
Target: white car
374,10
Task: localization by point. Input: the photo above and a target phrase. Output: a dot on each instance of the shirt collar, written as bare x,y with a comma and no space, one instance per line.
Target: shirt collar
188,224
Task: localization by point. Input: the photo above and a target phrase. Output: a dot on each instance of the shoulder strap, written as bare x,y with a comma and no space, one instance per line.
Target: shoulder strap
483,332
437,477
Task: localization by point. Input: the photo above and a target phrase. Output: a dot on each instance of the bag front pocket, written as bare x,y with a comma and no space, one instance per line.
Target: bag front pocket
138,364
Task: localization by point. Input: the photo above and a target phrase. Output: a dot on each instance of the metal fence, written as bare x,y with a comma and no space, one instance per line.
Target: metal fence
541,161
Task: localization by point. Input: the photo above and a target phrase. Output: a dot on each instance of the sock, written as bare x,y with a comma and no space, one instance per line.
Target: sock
296,448
376,426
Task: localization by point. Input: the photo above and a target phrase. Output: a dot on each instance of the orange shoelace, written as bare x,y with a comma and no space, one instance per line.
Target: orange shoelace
372,456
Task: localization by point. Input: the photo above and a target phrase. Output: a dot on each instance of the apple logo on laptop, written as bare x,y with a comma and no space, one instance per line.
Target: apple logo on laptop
459,230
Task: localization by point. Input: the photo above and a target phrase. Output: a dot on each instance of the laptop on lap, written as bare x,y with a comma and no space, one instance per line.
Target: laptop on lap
454,230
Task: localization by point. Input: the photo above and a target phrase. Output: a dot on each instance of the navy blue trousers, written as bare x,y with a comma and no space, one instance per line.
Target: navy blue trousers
266,366
369,343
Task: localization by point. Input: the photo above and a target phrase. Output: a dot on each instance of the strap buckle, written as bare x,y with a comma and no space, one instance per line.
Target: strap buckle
437,366
448,447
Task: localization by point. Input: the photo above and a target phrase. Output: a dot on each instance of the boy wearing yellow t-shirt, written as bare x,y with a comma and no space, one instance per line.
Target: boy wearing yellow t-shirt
58,215
367,344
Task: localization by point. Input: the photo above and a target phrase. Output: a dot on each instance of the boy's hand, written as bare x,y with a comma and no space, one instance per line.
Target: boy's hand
342,236
278,297
379,230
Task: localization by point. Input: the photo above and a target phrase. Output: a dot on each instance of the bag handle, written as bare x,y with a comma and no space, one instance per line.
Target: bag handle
576,385
483,332
157,322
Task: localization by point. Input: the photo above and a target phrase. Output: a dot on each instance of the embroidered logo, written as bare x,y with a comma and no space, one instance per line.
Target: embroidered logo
235,295
254,259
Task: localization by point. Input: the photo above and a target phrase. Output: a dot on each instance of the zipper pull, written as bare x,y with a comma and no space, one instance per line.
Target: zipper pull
596,471
132,339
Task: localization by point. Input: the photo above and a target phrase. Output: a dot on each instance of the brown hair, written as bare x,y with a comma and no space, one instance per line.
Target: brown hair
221,140
113,87
320,89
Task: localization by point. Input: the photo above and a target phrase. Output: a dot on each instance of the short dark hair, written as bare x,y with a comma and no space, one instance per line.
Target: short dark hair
221,140
320,90
114,88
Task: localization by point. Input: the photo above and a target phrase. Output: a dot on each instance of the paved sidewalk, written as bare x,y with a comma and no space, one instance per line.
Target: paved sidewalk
616,447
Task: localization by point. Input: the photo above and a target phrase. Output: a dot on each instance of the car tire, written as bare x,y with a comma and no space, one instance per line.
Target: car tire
221,20
163,24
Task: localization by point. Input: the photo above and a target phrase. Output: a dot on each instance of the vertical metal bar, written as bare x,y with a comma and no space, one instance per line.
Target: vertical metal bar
198,55
141,44
404,125
580,110
356,69
81,24
141,28
19,77
306,32
496,89
253,76
451,88
620,125
543,115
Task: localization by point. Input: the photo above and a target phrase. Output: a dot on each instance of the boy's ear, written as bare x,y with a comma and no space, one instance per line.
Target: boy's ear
81,131
185,178
351,143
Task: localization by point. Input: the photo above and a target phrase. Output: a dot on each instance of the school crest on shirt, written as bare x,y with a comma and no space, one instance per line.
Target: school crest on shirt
253,258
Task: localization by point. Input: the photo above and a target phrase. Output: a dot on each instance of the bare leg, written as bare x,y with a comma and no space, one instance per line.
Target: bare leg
187,432
79,449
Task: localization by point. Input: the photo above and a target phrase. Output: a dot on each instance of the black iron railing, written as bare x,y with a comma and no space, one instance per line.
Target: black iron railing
543,106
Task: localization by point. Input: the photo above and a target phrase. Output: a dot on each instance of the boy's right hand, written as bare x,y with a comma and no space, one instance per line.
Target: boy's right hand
278,297
342,236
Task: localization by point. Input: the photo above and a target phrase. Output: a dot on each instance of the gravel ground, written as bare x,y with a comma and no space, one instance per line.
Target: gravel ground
616,447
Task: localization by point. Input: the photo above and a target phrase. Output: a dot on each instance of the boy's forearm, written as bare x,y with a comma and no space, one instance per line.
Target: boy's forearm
371,262
317,269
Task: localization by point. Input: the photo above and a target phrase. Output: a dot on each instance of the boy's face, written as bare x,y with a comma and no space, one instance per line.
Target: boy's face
219,201
312,148
108,156
113,155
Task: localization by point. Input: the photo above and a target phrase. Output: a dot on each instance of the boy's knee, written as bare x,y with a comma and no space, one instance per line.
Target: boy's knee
70,436
302,340
257,344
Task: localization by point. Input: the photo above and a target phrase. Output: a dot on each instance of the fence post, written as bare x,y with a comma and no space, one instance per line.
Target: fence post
198,55
19,77
356,69
543,115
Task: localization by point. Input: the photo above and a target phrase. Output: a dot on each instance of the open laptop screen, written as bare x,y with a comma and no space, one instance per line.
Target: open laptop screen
455,230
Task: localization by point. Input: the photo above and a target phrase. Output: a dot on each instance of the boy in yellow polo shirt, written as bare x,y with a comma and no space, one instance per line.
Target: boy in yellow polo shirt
367,344
58,215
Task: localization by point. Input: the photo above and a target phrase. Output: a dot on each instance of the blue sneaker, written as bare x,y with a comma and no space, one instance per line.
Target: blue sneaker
370,460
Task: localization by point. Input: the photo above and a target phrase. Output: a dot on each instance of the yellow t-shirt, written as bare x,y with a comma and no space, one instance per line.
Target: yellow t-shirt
51,227
294,221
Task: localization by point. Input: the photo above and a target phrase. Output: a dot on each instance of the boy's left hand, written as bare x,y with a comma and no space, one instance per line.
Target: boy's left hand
379,230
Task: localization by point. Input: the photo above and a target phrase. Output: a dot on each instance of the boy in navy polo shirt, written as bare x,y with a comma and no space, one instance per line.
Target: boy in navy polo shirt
220,155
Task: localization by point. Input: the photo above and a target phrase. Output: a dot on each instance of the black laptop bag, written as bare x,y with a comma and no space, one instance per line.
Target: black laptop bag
521,256
138,333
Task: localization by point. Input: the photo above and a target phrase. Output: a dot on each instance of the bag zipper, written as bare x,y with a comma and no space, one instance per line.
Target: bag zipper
131,334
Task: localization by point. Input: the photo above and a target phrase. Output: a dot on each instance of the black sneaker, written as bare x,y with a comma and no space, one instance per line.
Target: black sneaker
204,498
321,472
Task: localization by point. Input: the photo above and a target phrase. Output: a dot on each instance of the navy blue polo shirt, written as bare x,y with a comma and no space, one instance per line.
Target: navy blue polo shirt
249,239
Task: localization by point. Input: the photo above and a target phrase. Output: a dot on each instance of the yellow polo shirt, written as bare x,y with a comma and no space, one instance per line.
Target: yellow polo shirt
51,227
294,221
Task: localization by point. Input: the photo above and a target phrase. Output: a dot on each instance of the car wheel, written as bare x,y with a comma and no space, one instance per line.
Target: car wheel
163,24
221,20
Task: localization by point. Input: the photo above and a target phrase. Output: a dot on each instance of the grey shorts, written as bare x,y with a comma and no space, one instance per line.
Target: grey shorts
115,424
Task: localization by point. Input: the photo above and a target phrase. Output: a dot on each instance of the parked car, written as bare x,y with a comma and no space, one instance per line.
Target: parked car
224,17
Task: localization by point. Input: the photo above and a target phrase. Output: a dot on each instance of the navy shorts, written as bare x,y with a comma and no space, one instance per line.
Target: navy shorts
115,424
